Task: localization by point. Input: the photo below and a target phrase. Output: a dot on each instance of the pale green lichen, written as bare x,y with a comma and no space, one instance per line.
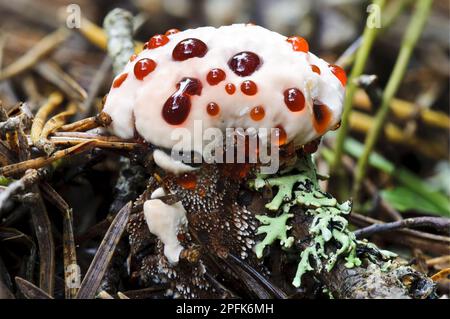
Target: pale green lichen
313,199
304,265
285,187
386,267
328,225
274,228
377,256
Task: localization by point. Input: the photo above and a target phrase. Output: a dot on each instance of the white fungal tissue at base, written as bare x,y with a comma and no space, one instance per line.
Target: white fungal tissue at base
165,221
169,164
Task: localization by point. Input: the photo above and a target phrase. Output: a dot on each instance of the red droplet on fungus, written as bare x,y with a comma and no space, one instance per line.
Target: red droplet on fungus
143,67
157,40
187,180
294,99
312,146
315,69
189,48
249,87
339,73
215,76
257,113
230,88
178,106
280,136
298,44
322,117
119,80
244,63
212,109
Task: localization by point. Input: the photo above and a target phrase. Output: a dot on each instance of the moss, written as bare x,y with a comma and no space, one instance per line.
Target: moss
274,228
5,181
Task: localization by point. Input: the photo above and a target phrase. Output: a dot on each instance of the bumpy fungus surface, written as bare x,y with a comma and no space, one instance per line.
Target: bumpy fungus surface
259,78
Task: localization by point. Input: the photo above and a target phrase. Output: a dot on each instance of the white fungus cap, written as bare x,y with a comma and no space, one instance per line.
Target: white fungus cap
137,104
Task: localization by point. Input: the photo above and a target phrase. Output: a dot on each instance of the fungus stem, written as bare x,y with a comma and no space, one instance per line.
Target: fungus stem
409,41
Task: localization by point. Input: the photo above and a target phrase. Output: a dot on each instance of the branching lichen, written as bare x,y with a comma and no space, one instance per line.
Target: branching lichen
285,186
329,225
274,228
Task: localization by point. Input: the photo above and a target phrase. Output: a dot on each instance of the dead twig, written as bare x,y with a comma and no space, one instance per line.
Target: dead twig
54,100
63,81
122,295
99,264
39,51
101,119
404,110
69,250
437,223
443,274
438,261
44,235
101,143
95,86
39,162
29,179
30,290
58,120
435,244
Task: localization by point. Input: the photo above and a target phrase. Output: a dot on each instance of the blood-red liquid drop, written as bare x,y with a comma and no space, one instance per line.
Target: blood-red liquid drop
143,67
190,86
244,63
294,99
315,69
312,146
187,181
249,87
322,117
257,113
230,88
280,136
189,48
339,73
178,106
119,80
215,76
298,44
213,109
171,31
157,40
